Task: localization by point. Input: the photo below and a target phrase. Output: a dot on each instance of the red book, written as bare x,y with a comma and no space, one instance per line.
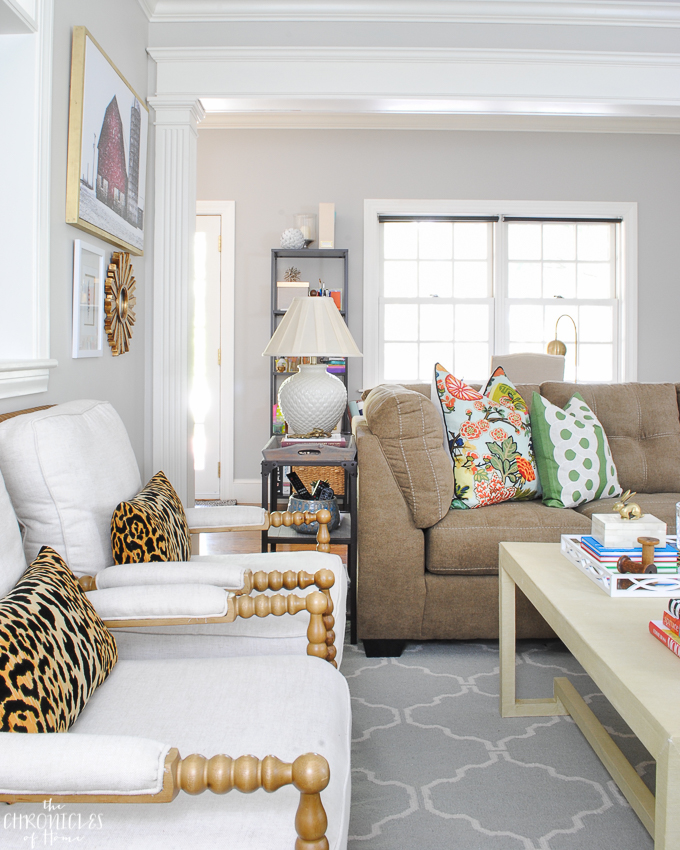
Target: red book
671,622
666,637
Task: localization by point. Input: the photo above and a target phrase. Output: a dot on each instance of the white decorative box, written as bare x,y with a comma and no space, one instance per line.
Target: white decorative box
614,532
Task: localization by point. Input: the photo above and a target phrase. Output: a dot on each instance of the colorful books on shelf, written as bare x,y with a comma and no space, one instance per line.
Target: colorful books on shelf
665,557
278,422
336,440
667,637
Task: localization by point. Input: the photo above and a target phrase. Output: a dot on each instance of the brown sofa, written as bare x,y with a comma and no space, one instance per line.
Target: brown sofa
427,572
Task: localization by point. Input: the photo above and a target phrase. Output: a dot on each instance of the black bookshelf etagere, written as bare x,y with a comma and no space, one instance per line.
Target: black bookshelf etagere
328,264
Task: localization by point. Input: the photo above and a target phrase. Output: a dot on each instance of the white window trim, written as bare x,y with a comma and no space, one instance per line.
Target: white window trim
627,294
27,376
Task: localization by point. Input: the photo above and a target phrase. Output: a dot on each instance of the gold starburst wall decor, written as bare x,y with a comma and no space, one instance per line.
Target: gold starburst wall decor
120,302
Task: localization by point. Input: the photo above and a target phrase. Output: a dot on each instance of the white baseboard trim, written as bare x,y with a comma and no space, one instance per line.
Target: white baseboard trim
248,491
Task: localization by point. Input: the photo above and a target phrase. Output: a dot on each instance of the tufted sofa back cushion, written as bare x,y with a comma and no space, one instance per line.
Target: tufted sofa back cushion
409,429
642,425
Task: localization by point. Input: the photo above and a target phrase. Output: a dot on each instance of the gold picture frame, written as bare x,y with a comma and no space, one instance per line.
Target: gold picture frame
108,131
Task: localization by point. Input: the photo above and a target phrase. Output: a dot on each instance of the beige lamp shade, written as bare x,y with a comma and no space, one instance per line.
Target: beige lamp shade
312,327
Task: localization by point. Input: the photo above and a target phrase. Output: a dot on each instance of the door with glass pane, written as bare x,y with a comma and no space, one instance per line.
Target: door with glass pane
436,298
205,384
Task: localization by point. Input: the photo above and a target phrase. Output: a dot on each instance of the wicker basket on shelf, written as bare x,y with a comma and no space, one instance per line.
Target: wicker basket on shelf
335,475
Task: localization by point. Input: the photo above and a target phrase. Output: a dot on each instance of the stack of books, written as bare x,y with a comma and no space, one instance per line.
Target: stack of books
335,439
665,557
668,629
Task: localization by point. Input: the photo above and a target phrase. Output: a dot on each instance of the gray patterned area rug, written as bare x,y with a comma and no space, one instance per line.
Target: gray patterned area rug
435,766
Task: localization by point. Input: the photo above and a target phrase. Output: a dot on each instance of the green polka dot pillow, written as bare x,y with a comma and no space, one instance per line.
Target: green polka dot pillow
574,460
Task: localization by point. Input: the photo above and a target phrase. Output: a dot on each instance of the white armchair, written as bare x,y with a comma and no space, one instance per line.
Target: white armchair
122,754
66,469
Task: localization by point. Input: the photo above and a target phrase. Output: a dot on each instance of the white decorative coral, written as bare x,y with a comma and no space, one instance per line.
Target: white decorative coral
292,239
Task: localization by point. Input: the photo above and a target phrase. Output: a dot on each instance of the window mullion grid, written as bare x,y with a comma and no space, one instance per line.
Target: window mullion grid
501,330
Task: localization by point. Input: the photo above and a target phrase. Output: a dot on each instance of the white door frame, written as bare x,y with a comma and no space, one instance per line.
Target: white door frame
227,212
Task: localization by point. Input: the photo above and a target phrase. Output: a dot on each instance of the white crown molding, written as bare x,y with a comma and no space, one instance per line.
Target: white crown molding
410,55
575,12
149,8
425,121
438,80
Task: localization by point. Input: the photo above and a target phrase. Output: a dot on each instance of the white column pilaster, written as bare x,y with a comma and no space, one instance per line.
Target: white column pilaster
176,123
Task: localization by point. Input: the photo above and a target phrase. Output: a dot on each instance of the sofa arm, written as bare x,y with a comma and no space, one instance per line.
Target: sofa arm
391,550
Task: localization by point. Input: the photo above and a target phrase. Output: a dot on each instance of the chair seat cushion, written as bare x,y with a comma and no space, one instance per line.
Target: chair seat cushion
54,649
466,542
284,706
152,526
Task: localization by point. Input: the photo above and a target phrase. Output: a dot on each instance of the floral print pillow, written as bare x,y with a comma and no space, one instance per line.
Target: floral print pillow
490,440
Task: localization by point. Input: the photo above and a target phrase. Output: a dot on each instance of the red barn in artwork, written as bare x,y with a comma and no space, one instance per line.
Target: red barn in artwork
111,170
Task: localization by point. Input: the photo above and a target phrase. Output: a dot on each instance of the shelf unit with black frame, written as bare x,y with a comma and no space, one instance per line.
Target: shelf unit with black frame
330,265
276,458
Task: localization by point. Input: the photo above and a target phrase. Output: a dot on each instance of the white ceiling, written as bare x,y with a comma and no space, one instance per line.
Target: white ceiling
648,13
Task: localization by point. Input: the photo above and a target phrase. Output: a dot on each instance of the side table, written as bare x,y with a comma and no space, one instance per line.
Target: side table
274,457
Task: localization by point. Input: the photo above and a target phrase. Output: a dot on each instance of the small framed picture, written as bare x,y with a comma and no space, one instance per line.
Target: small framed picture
88,300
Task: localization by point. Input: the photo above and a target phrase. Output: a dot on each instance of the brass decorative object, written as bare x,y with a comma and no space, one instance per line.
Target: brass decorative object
631,511
556,346
119,303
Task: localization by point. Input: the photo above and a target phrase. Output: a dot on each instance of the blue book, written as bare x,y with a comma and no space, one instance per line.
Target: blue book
665,553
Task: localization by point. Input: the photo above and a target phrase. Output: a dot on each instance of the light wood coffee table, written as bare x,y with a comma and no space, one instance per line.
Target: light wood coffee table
610,639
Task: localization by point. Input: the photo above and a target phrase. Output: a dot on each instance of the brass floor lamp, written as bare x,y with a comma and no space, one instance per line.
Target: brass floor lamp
556,346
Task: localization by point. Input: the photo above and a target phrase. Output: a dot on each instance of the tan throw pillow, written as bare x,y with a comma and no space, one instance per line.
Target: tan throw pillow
409,429
54,649
152,526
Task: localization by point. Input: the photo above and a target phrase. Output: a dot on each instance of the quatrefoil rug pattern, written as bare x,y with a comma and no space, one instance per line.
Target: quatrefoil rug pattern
434,764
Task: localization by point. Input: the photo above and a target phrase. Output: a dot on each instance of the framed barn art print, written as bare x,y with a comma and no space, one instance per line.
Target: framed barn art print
107,140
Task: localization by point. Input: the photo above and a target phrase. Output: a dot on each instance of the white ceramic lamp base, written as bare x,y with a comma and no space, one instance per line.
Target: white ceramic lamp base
312,398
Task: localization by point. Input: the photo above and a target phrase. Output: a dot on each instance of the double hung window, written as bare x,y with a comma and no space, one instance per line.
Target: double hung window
457,288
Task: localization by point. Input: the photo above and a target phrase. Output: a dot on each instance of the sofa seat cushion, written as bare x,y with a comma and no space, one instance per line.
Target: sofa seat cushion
660,505
409,429
66,469
282,706
642,426
466,542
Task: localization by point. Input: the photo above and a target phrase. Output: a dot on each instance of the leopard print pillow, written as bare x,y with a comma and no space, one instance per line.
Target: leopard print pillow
152,526
54,649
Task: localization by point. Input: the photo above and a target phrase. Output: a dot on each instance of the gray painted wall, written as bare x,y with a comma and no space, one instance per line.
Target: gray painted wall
273,174
121,29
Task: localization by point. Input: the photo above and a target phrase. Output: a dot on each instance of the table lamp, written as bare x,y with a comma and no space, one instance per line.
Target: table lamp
312,399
